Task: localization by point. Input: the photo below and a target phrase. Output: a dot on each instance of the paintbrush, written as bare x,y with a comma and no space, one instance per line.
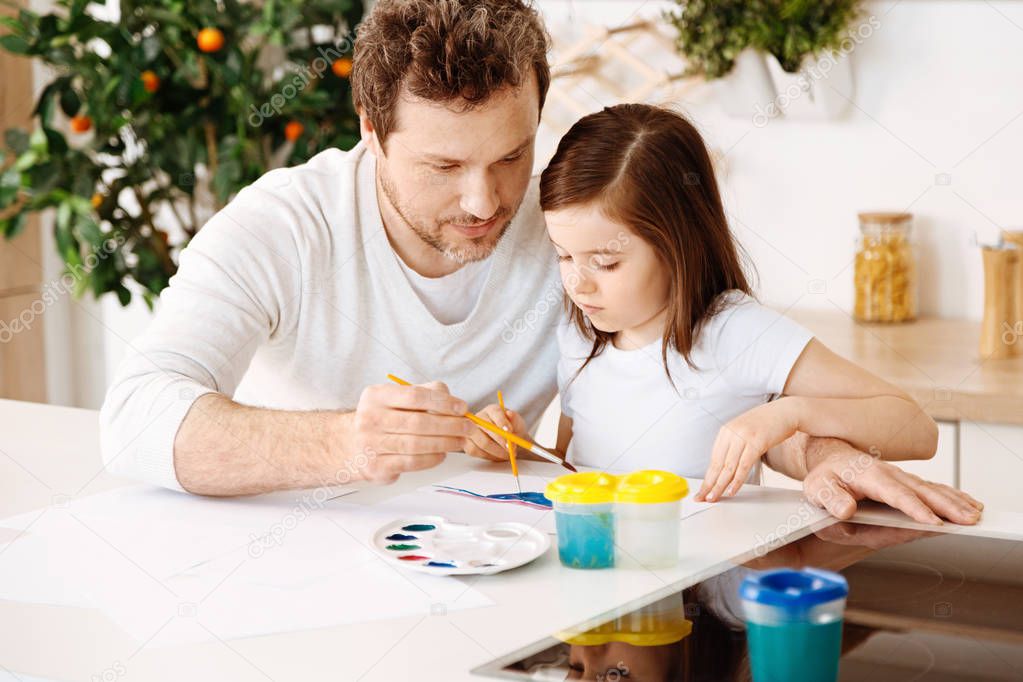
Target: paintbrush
507,435
511,448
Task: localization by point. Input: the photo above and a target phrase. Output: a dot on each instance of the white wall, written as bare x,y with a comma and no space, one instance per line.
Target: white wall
937,90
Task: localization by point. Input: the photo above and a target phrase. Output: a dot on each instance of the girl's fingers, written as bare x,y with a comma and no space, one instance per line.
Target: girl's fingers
746,461
489,447
731,463
717,460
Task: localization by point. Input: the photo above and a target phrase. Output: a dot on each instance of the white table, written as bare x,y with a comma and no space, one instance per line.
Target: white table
50,453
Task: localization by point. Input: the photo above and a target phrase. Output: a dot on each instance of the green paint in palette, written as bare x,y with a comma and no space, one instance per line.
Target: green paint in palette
420,527
402,547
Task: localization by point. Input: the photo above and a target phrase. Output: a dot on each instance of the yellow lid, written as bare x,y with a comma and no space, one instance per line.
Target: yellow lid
651,486
585,487
656,634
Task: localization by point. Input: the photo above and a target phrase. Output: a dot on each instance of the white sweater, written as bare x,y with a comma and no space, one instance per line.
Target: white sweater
291,297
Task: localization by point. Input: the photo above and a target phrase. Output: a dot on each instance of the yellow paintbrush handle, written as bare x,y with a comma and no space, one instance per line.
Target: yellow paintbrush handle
495,429
511,447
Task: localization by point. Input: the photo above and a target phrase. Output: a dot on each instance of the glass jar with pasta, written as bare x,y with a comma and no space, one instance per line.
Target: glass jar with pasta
885,269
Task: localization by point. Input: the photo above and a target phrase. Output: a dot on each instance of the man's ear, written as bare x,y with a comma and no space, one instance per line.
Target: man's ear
369,134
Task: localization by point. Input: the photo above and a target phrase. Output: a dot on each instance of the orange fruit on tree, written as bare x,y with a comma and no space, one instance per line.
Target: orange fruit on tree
293,130
96,200
150,81
80,124
342,68
210,39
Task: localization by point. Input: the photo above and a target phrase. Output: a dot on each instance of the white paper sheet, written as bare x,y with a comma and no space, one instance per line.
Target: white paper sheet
172,568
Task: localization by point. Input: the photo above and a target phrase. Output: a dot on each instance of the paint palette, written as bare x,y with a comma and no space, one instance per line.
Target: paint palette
432,544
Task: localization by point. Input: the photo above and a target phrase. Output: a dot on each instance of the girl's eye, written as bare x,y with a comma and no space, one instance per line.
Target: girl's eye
607,267
562,259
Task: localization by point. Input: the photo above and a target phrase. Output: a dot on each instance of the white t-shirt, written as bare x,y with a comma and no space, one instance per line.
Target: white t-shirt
450,298
626,414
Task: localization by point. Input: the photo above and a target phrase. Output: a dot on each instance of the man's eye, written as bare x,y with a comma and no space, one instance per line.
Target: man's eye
445,168
513,159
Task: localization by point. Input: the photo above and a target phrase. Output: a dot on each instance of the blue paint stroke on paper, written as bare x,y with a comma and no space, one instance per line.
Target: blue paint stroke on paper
533,500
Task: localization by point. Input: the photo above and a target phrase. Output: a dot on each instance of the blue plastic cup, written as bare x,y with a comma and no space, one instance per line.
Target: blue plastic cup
794,624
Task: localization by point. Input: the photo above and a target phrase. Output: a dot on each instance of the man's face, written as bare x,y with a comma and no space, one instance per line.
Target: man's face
456,178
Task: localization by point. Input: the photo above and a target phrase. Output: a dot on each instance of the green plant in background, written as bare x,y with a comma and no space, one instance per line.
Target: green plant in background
712,34
156,118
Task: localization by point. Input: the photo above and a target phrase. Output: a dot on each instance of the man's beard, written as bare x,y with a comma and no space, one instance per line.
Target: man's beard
468,250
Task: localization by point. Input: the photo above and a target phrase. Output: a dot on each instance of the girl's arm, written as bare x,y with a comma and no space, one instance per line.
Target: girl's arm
824,395
827,395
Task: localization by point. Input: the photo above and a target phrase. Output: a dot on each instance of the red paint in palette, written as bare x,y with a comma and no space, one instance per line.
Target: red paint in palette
413,557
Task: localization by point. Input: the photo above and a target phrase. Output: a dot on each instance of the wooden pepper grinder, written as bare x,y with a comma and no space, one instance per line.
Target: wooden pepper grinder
998,333
1015,238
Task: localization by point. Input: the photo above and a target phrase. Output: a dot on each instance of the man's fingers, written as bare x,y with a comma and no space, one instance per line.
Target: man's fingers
948,504
417,423
897,494
397,444
826,491
389,467
416,398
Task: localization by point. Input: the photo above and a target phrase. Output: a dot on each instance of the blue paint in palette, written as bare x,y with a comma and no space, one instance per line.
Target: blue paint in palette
401,537
441,564
419,527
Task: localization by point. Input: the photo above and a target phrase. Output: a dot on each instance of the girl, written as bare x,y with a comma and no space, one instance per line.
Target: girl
667,361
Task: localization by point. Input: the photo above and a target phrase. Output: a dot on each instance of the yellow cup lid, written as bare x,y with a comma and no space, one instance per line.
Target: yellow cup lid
656,634
651,486
584,487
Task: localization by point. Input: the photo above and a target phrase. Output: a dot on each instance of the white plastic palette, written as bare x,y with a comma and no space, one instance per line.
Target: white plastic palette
432,544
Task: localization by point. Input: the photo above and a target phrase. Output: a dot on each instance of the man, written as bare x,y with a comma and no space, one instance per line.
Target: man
421,252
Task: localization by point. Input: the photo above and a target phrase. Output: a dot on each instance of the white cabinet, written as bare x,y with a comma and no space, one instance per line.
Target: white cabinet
991,464
942,468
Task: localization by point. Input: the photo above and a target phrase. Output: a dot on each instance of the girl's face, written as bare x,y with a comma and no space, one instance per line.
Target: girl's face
614,277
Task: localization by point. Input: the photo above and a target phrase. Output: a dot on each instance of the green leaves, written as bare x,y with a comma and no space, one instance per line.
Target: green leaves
712,34
135,171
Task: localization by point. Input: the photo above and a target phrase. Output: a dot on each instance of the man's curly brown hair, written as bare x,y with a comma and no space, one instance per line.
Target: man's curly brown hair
448,51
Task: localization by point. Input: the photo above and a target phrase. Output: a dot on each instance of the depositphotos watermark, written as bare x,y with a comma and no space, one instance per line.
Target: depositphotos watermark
856,35
807,509
553,296
301,77
54,290
310,502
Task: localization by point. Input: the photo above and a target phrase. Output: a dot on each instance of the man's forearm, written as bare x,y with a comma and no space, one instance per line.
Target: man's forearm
224,448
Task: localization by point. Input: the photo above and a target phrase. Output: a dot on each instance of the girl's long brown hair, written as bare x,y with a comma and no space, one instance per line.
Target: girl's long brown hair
649,170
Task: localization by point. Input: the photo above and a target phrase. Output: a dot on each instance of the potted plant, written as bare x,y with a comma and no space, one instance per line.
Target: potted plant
155,118
760,48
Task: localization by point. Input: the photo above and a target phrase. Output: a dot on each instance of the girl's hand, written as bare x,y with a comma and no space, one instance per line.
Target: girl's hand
742,442
485,445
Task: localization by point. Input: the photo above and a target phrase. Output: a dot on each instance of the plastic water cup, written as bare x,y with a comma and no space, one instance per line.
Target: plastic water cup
794,624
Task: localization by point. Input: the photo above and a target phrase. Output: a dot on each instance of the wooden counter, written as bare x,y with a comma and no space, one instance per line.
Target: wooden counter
935,360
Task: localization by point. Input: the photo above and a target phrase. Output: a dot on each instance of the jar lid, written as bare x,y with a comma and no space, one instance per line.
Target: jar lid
651,486
794,590
884,217
584,487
